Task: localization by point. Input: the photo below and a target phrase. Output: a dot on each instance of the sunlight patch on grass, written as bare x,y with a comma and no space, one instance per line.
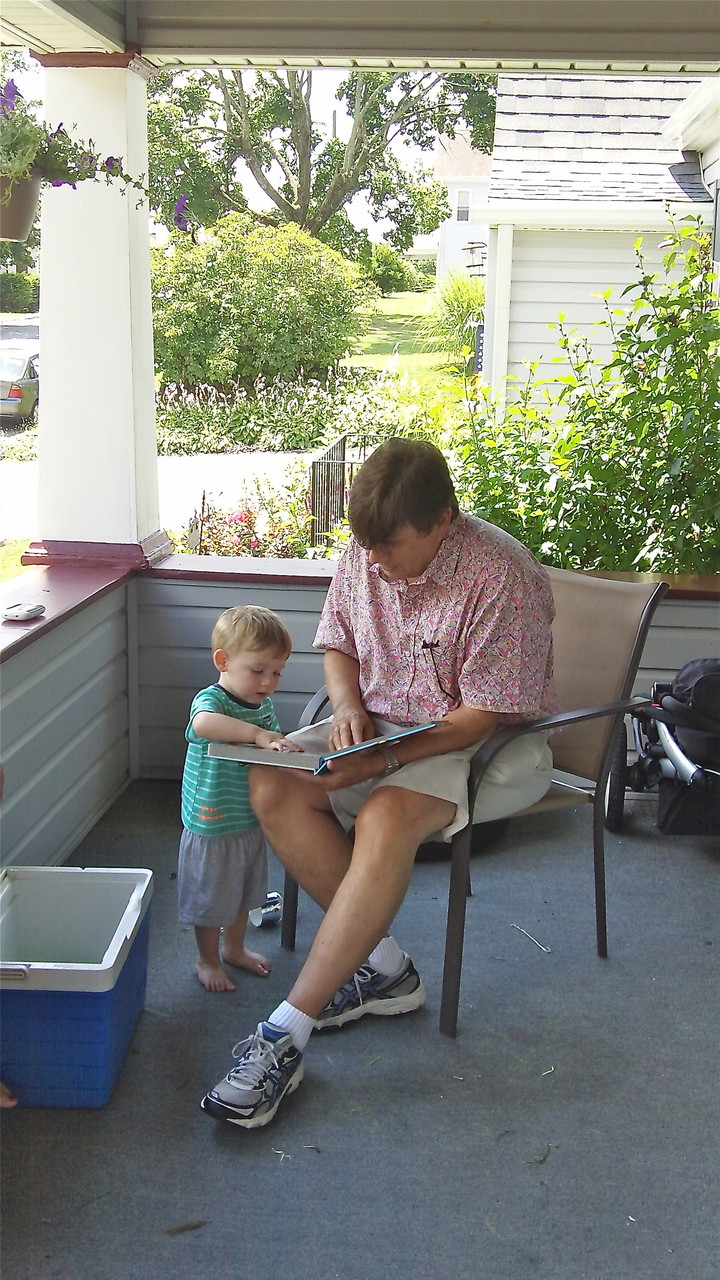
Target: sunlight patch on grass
393,342
10,553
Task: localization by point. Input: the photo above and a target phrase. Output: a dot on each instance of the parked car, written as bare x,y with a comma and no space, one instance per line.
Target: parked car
19,379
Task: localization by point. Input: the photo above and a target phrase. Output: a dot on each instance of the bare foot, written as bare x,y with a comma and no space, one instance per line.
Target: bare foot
250,960
213,977
7,1099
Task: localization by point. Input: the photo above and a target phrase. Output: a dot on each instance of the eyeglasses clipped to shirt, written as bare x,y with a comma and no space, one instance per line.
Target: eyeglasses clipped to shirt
429,647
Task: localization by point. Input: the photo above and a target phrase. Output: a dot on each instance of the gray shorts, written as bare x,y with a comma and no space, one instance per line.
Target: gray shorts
218,876
517,777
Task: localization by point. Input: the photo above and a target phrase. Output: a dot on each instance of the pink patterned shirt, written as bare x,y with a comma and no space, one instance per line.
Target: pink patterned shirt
474,629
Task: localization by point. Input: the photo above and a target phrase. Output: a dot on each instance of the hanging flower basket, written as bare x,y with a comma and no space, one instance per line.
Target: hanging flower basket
18,206
33,155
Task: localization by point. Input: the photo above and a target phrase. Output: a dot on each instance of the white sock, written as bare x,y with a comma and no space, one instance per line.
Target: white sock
299,1025
387,957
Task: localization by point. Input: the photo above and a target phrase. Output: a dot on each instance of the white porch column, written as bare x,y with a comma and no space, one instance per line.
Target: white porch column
97,481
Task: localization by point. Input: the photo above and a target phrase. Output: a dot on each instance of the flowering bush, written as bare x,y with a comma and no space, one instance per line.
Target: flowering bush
302,413
27,145
273,523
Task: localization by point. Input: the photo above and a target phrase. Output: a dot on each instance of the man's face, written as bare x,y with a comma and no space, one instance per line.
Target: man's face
408,552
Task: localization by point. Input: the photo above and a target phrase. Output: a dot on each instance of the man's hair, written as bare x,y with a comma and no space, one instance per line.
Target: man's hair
402,482
250,626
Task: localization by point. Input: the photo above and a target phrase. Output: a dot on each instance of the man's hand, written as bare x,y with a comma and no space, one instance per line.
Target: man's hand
349,727
351,722
348,771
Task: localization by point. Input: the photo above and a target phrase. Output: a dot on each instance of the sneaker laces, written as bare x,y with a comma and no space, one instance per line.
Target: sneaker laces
253,1055
361,978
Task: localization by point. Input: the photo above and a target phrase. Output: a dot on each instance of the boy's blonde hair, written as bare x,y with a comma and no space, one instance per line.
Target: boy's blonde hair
250,626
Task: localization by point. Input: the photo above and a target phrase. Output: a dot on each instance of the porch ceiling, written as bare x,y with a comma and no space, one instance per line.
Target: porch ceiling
666,36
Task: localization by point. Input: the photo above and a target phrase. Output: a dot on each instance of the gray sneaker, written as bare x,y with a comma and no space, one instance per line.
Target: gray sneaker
269,1067
371,992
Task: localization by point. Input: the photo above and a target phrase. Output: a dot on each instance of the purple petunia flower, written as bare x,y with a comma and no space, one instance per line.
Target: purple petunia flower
8,96
181,222
86,165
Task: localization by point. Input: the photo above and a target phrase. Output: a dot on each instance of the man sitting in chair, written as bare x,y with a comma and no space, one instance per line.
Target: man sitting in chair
432,615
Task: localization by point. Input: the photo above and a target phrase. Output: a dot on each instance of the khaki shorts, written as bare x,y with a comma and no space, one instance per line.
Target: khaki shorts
517,777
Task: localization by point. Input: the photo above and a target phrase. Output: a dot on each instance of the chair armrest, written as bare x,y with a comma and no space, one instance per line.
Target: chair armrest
314,707
487,751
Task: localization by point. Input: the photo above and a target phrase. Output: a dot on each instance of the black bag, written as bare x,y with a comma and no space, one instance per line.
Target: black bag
683,811
696,688
694,709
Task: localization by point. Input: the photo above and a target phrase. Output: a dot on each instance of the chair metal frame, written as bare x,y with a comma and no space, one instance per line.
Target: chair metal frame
646,597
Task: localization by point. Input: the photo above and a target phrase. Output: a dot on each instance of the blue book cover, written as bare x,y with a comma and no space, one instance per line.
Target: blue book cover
248,753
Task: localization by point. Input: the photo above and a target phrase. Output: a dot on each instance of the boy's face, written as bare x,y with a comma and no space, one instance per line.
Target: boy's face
251,674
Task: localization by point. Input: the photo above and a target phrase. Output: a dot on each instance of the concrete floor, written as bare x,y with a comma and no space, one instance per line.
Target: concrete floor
571,1132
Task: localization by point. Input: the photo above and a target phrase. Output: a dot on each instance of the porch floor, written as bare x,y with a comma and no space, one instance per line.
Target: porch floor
571,1132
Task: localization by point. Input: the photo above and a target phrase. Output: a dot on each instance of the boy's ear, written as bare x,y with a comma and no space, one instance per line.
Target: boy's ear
220,659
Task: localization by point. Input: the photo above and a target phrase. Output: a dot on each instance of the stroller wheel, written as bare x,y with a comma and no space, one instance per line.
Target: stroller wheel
617,782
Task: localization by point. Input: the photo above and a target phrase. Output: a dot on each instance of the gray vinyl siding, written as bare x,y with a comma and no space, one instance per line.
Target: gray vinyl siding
682,630
174,623
64,733
175,620
558,272
85,709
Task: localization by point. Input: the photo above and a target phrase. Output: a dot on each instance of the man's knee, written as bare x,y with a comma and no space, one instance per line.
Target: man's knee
396,812
266,785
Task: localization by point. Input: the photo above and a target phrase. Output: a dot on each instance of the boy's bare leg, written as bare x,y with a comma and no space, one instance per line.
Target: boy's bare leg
235,952
362,886
208,967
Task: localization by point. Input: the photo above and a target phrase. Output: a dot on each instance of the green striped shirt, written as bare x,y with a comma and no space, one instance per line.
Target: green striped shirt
215,794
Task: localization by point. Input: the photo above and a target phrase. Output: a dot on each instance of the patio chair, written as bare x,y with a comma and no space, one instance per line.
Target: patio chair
599,633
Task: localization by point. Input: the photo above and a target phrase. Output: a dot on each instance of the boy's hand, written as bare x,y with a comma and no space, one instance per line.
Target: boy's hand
276,741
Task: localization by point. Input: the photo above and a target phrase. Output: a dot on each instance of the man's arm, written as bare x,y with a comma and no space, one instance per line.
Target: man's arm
351,722
460,728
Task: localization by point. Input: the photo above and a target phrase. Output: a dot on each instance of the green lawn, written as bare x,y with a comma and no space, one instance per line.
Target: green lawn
10,553
393,341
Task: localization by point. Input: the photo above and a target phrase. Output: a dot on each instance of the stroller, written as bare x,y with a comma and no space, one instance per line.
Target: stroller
677,739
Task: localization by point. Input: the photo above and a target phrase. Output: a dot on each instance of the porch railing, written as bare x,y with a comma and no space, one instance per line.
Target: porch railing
330,478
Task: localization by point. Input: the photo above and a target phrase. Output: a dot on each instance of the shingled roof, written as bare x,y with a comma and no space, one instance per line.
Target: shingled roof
566,137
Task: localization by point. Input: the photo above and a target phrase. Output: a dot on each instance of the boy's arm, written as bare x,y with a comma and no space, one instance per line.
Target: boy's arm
215,727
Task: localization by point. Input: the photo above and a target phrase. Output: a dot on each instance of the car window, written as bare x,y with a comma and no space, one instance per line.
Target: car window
11,366
32,369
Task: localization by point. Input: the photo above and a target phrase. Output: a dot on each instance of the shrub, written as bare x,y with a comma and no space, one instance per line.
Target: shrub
458,309
274,523
615,464
390,272
19,291
364,405
426,272
21,446
251,301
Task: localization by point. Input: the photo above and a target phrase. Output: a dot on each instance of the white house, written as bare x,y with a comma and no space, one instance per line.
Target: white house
466,174
582,166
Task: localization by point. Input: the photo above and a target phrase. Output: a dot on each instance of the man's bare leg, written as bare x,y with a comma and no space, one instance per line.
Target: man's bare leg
297,818
362,900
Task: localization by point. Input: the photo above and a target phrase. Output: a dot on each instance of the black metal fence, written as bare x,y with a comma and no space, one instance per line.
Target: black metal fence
330,480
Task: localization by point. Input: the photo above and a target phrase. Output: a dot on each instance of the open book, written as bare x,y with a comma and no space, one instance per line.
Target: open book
248,753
